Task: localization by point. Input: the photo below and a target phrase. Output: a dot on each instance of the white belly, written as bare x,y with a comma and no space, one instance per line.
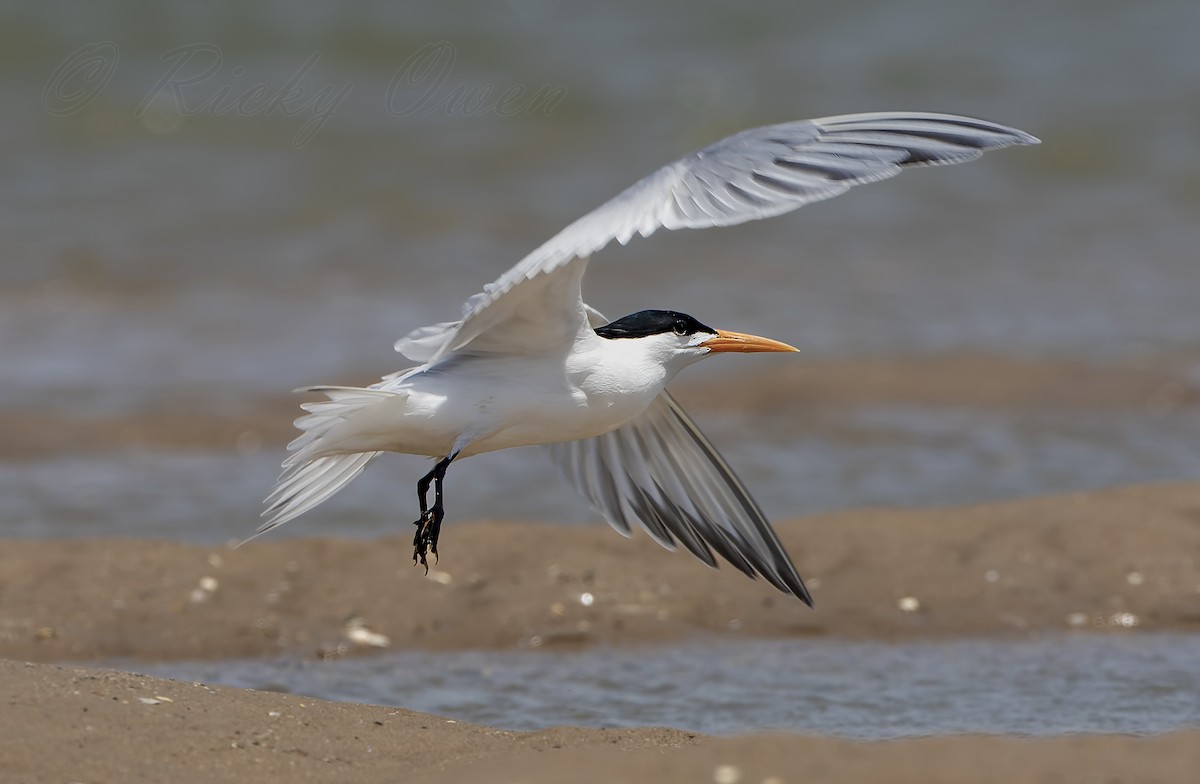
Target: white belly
510,402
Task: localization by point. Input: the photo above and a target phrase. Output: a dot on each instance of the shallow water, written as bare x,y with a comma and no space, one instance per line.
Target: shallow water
1062,684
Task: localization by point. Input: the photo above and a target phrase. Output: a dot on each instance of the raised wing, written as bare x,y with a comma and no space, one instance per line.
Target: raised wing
545,314
660,471
754,174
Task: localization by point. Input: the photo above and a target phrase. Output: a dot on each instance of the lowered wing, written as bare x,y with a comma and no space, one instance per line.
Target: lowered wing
660,472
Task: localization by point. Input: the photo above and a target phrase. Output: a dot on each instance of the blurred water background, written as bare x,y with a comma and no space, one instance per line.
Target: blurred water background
205,205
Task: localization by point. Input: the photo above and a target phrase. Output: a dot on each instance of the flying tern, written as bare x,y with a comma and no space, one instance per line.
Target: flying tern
529,363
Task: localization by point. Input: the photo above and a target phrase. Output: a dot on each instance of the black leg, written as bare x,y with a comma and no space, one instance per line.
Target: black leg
429,526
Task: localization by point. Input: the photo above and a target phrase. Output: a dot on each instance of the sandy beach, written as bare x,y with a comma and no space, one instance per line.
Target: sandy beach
1120,561
65,724
1124,560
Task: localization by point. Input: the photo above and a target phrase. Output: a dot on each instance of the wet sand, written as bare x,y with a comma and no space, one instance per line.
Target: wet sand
66,724
1123,561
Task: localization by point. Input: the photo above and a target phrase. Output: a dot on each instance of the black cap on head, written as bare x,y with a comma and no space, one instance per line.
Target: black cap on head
653,322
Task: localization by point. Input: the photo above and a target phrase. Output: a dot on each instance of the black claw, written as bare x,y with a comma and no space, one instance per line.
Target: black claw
429,526
421,540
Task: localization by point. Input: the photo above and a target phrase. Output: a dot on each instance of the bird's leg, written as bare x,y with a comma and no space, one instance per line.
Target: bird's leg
430,524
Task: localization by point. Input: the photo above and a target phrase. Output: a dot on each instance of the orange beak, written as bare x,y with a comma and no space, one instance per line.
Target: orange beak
743,343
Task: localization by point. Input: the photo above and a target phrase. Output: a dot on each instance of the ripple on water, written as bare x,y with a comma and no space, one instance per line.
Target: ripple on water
1062,684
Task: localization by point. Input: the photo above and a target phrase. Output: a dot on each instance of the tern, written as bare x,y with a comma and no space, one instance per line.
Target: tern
529,363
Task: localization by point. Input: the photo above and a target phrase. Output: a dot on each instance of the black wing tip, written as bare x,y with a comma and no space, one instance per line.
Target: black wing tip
792,585
1010,135
801,593
789,584
795,584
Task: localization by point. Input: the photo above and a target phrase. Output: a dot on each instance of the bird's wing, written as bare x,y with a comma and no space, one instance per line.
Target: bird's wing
754,174
660,471
545,314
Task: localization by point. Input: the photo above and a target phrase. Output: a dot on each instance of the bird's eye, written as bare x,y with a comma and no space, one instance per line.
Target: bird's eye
680,327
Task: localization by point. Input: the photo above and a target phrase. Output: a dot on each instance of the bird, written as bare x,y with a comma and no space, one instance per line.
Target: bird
529,363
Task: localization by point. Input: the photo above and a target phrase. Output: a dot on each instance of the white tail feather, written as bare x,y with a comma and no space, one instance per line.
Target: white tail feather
302,487
316,469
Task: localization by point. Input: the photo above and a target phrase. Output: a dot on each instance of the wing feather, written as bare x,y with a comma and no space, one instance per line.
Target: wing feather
758,173
661,473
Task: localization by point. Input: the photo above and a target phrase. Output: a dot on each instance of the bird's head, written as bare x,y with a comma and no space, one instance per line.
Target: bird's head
676,339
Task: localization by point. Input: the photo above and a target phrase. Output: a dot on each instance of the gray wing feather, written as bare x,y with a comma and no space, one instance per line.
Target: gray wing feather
660,472
758,173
